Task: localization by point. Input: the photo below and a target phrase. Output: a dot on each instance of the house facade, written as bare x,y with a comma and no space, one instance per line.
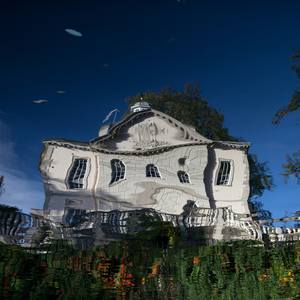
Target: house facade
146,160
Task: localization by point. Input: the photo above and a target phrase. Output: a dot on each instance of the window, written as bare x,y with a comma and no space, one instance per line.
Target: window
117,170
183,177
224,172
152,171
77,174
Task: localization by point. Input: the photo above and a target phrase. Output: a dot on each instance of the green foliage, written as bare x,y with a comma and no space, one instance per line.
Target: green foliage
8,209
189,108
155,230
292,166
294,104
1,184
137,270
260,177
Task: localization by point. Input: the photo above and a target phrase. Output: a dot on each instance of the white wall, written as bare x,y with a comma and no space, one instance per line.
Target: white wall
165,194
57,162
236,194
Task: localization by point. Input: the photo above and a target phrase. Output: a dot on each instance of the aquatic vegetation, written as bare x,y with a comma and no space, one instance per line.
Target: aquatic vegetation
143,269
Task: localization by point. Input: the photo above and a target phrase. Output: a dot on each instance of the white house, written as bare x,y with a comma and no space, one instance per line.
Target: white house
146,160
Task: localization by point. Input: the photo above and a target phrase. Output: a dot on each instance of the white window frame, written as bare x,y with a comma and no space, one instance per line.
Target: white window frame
230,175
184,173
156,167
112,182
85,175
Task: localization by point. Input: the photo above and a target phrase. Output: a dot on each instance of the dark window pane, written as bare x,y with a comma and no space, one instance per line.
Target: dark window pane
224,173
152,171
77,174
117,170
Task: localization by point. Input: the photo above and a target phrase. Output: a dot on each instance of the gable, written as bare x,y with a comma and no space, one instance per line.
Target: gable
148,130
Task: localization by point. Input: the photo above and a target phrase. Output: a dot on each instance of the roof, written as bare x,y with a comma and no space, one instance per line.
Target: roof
190,137
131,116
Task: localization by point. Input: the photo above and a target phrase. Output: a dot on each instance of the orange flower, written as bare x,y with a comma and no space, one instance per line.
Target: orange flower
196,260
263,277
155,269
123,279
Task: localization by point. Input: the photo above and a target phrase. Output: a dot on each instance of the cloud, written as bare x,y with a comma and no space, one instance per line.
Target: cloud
19,189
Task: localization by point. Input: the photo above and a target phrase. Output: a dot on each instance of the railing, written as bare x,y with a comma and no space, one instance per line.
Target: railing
23,227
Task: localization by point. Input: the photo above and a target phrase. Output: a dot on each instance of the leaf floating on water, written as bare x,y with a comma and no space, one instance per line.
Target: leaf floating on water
73,32
40,101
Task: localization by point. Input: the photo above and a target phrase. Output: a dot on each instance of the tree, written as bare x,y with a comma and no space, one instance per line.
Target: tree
190,108
292,165
1,184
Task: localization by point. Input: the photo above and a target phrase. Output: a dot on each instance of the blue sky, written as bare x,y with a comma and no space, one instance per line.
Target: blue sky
239,53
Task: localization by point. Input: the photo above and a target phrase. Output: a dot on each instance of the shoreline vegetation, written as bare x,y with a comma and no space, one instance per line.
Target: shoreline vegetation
156,265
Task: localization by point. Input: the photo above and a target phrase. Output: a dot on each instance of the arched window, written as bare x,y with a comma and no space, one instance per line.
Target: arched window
224,174
152,171
117,170
77,173
183,177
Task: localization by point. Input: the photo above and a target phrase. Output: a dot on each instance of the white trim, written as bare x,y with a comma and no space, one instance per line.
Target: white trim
96,180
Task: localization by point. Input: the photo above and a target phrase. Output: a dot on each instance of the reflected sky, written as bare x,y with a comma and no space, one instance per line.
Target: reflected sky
239,53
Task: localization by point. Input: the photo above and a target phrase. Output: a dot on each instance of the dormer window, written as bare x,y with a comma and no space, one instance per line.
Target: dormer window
183,177
76,176
152,171
225,172
117,170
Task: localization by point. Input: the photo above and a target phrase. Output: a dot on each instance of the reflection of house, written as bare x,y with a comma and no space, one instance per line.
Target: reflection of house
147,160
14,225
85,229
